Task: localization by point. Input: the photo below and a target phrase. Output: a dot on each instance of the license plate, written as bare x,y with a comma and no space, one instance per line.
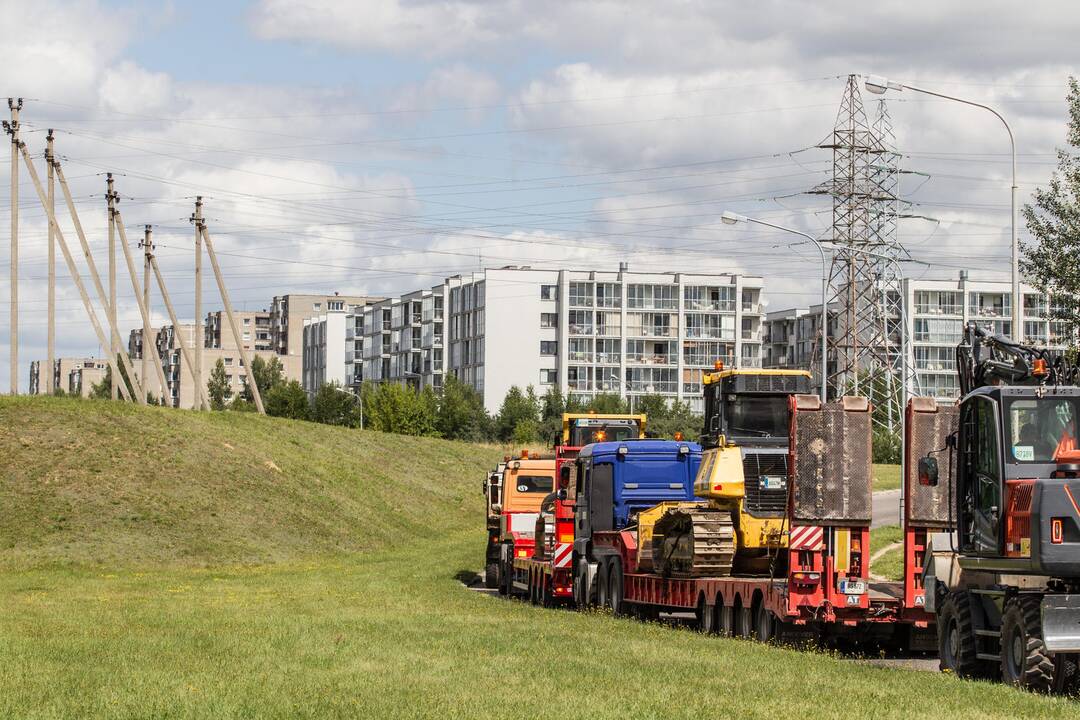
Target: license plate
773,482
852,587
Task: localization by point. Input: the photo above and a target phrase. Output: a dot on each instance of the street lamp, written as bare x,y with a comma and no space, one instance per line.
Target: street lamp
730,218
879,85
359,400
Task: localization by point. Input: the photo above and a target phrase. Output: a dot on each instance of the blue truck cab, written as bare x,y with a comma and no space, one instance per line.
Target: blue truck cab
613,481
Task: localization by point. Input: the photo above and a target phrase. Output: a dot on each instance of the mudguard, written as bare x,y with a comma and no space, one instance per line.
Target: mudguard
1061,623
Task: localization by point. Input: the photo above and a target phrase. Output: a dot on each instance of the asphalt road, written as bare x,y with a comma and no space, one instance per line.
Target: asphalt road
886,510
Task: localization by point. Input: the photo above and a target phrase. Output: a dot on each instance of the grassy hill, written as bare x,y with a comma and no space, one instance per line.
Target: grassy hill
230,566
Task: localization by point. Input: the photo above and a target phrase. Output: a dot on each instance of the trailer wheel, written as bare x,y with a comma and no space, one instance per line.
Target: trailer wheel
957,646
764,624
744,620
602,585
725,619
1025,661
615,587
547,595
491,576
710,622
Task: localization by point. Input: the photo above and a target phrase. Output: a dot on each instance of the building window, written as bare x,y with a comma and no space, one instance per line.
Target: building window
247,321
581,294
549,320
608,295
317,307
334,305
549,292
549,347
549,377
581,322
228,362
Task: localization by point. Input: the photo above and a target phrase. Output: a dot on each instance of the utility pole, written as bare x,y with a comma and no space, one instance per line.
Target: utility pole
110,196
143,303
71,266
199,339
50,356
12,129
200,389
244,357
135,384
145,244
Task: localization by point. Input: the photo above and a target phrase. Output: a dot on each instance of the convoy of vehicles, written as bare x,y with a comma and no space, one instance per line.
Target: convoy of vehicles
762,530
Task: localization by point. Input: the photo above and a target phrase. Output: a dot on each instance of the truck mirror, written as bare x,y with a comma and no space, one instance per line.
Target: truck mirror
928,471
562,495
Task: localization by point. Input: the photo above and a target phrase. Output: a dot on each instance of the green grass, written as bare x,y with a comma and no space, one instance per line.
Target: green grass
329,590
891,564
886,477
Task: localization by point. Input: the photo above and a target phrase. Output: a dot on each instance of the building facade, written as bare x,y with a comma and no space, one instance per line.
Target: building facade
325,350
287,316
71,375
584,332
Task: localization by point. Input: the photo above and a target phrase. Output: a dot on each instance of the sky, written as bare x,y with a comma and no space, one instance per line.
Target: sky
377,147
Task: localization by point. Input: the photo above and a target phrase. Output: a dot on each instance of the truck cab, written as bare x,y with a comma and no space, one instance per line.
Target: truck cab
526,482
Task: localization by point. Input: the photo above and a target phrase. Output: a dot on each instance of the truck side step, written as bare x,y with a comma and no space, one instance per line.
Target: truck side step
988,633
988,656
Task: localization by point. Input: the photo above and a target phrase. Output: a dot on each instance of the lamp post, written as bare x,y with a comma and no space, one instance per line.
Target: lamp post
730,218
359,400
879,85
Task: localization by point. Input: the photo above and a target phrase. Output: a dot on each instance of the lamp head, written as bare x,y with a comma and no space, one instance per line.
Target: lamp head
878,84
730,218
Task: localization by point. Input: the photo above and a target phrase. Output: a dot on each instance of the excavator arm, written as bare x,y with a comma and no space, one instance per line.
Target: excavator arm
983,358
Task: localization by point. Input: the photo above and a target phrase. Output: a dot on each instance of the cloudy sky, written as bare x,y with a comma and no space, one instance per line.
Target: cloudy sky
377,146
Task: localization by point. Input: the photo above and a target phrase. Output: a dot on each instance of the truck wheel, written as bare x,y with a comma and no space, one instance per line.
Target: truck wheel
491,576
708,615
744,622
956,637
581,586
506,574
725,619
602,585
764,624
615,587
1025,661
547,595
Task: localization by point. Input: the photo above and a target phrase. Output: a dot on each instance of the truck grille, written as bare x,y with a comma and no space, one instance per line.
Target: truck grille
759,500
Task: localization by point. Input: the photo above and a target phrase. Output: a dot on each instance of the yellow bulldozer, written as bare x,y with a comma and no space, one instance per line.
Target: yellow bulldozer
740,523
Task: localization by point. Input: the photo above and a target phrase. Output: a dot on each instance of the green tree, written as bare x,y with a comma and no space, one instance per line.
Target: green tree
332,405
609,404
1052,262
653,406
268,375
287,400
516,406
103,389
460,414
218,386
552,407
390,407
526,432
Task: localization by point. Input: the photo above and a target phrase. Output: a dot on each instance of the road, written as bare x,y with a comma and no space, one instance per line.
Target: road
886,510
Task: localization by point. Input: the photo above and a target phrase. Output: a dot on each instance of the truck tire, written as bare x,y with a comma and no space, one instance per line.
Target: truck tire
581,586
506,575
744,621
602,585
725,618
957,646
764,624
615,587
491,576
1025,661
708,616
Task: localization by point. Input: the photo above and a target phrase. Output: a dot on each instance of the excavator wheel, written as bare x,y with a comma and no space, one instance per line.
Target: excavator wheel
1025,661
957,645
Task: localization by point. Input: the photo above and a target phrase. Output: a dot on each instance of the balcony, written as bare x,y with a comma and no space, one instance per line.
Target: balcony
651,359
584,329
751,308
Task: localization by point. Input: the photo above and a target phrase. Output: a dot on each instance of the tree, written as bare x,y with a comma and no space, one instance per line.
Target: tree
287,400
516,406
334,406
654,406
609,404
218,386
552,407
460,414
268,375
1052,262
103,389
526,432
390,407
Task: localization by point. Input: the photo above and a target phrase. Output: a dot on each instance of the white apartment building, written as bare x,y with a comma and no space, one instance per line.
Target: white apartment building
935,313
325,350
585,332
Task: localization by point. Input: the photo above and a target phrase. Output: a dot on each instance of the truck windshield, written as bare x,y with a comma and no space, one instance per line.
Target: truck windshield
1039,429
533,483
761,417
585,431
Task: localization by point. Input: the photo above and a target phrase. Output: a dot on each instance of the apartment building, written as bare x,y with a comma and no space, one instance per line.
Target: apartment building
287,316
935,313
325,350
254,328
75,376
585,332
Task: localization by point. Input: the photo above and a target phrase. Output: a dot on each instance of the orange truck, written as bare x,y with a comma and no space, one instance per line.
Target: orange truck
524,483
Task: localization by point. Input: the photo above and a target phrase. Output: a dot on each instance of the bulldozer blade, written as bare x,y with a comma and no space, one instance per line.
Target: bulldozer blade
1061,623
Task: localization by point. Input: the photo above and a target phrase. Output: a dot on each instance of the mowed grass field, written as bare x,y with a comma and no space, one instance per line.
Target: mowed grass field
230,566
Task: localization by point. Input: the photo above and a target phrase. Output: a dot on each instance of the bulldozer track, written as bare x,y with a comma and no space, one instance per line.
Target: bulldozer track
694,543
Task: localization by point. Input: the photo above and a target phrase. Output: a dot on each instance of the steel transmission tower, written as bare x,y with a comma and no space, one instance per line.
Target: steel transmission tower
865,294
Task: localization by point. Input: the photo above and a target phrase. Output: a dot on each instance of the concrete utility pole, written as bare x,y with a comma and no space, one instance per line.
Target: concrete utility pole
199,332
244,357
12,129
200,389
110,196
71,267
114,333
146,321
143,303
50,356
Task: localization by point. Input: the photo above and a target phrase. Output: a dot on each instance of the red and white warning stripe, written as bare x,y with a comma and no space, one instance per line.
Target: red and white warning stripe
806,537
563,554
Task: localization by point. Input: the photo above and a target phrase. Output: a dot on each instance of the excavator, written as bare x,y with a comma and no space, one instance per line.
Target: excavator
739,522
1005,583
